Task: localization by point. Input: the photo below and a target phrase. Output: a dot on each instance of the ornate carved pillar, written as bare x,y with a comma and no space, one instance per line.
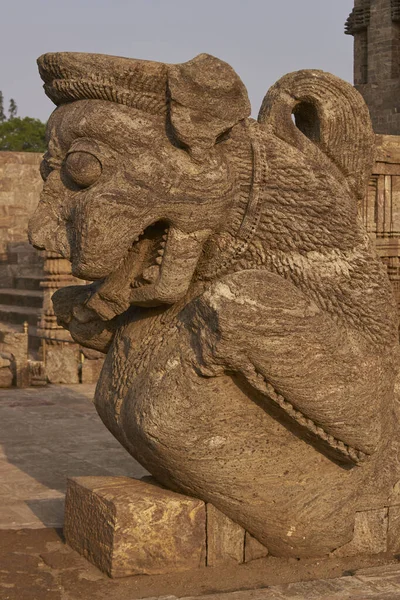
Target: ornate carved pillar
61,354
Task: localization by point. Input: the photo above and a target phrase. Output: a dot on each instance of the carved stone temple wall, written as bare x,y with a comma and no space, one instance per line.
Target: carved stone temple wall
375,25
381,207
20,185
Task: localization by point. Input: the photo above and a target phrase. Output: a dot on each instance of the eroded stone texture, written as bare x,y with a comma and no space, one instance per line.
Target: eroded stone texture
6,374
20,185
91,370
62,362
250,330
381,207
225,539
61,355
370,534
14,349
393,537
375,27
253,549
129,527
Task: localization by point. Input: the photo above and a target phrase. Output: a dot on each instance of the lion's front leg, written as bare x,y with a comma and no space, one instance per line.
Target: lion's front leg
324,379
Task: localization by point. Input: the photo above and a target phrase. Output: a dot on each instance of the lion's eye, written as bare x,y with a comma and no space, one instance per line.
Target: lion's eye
83,168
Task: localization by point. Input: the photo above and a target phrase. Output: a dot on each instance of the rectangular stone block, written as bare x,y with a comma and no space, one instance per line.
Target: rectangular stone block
253,549
370,534
62,362
129,527
225,539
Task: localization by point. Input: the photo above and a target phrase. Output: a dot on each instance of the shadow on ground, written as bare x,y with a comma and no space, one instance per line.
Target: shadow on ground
49,434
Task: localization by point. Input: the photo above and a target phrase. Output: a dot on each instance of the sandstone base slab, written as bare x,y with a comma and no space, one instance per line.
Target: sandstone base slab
129,527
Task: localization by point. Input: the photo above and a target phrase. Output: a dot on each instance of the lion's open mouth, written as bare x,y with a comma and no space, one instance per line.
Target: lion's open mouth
157,270
148,251
140,267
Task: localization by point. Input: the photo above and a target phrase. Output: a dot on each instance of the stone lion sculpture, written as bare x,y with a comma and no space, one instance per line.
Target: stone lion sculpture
250,330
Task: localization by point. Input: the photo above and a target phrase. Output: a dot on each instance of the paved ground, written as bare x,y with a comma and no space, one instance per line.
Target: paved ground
35,564
47,434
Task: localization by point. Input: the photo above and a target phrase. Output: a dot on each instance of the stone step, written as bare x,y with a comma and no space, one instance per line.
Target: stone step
19,314
28,282
17,297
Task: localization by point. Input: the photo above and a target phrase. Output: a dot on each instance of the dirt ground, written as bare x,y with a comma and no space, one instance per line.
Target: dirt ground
35,564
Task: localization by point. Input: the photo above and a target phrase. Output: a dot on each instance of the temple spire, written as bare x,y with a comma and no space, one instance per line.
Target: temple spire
375,25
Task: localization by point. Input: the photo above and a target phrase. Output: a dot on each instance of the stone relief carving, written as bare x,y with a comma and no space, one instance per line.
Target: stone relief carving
250,330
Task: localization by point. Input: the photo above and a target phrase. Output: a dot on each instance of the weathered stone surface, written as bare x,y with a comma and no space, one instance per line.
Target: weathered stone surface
250,330
19,194
374,24
14,349
393,535
127,527
225,539
253,549
377,77
6,376
370,534
91,370
5,361
62,362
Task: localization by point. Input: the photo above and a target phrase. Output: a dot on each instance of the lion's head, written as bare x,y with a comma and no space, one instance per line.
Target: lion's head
136,174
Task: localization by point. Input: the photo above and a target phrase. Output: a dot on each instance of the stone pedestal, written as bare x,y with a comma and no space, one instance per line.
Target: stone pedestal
129,527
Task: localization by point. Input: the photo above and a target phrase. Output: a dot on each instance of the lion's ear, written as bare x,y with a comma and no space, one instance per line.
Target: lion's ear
206,98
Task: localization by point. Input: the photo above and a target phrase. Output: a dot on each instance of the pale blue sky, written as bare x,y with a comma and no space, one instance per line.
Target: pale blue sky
261,39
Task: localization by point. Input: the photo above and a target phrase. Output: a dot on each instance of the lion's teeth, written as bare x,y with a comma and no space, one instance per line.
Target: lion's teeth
151,273
161,252
159,260
165,237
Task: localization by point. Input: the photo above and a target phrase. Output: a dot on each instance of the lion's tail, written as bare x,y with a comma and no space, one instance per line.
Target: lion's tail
330,113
